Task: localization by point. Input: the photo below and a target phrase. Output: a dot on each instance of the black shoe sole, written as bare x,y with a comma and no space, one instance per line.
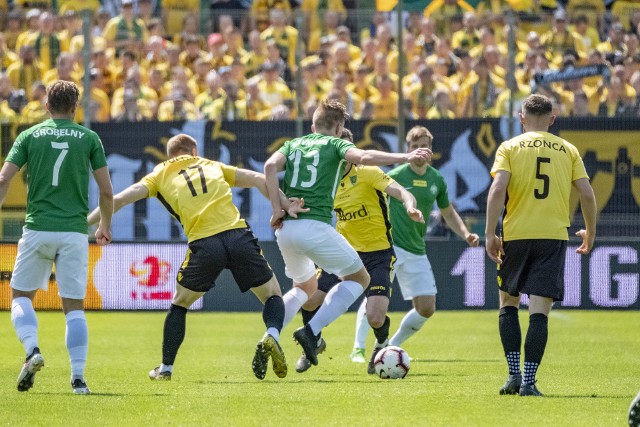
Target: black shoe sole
307,343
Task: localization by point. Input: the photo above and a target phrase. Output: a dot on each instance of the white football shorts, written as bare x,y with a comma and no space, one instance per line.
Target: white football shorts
414,274
305,243
39,250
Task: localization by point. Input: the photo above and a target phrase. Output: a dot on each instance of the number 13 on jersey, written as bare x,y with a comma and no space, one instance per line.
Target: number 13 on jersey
296,157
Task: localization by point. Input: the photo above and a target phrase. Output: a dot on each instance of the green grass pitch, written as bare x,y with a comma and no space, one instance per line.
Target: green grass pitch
590,373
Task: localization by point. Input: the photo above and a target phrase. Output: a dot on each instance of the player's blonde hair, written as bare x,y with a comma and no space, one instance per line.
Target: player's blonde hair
180,144
329,114
417,133
62,97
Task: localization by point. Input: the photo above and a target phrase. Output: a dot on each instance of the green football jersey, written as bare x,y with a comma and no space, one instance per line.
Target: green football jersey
315,164
59,155
428,188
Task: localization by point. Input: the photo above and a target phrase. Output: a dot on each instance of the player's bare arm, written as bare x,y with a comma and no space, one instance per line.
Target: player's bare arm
382,158
589,212
458,226
495,204
398,192
246,178
273,165
105,205
129,195
9,170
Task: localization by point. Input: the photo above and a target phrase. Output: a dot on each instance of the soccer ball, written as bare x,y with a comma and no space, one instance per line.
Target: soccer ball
392,363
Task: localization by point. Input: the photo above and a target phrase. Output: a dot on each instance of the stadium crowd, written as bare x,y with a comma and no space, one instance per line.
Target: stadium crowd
165,62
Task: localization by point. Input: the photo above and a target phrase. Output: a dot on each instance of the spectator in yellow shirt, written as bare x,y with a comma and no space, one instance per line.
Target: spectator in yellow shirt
233,40
33,26
133,84
348,98
175,11
255,107
125,31
361,86
156,56
421,94
587,37
478,96
256,56
315,10
331,22
217,56
559,39
344,35
468,37
26,71
63,70
99,104
286,36
178,108
381,68
385,103
6,56
273,91
428,38
191,53
47,44
190,27
229,107
260,10
441,109
198,82
214,91
35,111
444,11
134,109
615,41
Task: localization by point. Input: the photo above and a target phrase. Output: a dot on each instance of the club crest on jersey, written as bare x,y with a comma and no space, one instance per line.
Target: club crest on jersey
353,179
434,189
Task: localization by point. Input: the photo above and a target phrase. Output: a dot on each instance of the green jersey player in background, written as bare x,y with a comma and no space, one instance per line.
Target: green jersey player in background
412,267
60,154
314,165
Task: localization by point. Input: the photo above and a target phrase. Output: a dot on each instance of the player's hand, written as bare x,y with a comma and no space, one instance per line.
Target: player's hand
587,242
276,219
296,207
420,154
494,249
103,236
415,214
473,239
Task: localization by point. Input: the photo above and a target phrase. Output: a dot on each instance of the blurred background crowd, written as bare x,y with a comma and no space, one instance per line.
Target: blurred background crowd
275,59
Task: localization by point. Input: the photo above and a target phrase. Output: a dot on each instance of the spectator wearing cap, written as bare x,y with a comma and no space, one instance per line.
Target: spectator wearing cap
385,102
360,85
285,36
35,112
214,91
191,53
260,10
125,31
559,39
614,42
26,71
332,18
6,56
217,55
273,91
443,11
177,108
257,54
344,35
175,11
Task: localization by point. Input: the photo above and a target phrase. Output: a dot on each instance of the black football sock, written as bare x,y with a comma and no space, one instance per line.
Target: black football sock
511,337
382,333
273,312
174,328
308,315
534,345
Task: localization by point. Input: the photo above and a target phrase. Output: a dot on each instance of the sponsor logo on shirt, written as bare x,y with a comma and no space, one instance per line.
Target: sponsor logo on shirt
419,183
359,213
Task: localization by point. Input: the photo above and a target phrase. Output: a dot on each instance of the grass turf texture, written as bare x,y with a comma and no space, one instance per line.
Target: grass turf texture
590,373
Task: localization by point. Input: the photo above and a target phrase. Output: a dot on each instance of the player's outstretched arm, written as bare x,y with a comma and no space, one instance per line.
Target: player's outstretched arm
495,204
129,195
458,226
382,158
272,166
589,212
246,178
398,192
9,170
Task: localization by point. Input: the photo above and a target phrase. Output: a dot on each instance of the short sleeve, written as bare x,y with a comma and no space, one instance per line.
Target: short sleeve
377,178
579,170
98,158
151,180
342,146
285,149
501,163
18,153
443,194
229,173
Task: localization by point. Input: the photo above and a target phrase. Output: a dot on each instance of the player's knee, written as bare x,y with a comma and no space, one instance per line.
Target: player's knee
426,310
376,320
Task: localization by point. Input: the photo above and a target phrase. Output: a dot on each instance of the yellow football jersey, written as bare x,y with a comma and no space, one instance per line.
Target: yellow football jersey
543,168
197,192
361,209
